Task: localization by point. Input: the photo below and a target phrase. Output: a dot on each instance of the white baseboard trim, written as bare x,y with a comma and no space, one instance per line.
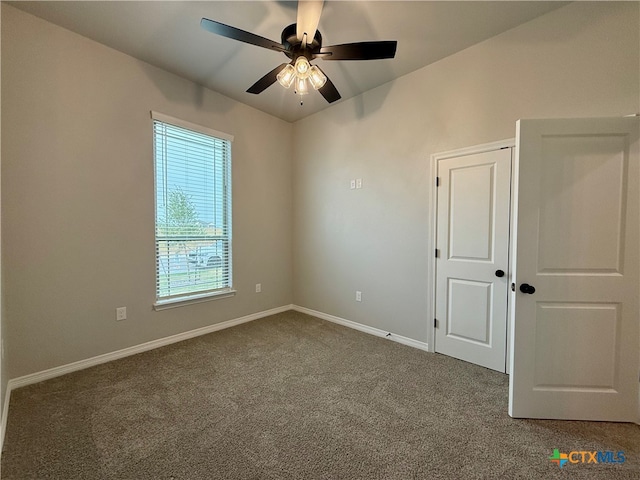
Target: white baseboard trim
363,328
125,352
5,414
143,347
32,378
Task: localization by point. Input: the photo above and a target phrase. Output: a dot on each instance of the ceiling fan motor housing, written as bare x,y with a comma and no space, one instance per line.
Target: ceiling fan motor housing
293,46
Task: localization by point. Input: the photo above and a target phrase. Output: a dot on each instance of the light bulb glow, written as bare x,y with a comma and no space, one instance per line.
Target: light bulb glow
301,86
317,78
299,72
286,76
302,67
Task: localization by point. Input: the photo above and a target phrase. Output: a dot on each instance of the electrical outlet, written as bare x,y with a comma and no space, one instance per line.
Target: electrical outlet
353,184
121,313
258,287
358,183
358,296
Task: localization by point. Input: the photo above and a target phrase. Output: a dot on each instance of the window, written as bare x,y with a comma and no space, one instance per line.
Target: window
193,211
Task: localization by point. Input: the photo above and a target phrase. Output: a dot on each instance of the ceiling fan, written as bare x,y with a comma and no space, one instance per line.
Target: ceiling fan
301,43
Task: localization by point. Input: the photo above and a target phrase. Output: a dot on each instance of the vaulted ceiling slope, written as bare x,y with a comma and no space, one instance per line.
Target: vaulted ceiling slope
168,35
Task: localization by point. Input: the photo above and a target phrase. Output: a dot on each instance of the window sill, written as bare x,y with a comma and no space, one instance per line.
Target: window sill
191,299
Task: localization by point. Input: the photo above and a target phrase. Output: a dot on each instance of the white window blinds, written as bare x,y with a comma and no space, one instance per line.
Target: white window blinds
193,209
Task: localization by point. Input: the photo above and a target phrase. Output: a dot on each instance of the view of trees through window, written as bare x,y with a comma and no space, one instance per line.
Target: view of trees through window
193,227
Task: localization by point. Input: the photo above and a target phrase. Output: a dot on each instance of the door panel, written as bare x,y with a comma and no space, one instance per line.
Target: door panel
469,311
584,181
471,204
575,341
473,240
588,361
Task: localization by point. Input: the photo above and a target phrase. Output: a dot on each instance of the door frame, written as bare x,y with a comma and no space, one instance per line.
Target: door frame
433,219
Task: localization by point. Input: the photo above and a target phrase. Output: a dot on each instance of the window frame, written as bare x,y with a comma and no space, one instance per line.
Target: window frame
187,298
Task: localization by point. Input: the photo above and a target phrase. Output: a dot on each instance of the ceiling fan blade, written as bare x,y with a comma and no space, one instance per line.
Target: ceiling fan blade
309,12
360,51
329,90
240,35
266,81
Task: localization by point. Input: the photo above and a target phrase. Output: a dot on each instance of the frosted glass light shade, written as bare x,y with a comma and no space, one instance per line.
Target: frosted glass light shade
302,67
301,86
286,76
317,78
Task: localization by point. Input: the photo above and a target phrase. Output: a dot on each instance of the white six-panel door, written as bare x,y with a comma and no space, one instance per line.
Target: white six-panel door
575,339
473,244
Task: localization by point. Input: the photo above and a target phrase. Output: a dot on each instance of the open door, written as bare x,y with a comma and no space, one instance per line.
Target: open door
575,339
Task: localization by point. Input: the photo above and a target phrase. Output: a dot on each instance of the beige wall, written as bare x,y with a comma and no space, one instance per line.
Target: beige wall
3,365
77,177
78,201
578,61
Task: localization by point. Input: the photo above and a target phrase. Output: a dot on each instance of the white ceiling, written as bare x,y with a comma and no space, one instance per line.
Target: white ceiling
168,35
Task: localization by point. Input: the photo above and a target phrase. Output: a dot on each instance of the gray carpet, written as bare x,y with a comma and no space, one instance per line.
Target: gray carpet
291,396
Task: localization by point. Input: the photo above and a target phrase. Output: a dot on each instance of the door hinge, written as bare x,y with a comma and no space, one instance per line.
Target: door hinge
437,181
435,323
437,253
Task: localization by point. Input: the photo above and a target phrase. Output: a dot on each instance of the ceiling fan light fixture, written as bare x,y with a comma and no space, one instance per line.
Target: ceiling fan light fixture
295,46
286,76
301,86
317,78
302,67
